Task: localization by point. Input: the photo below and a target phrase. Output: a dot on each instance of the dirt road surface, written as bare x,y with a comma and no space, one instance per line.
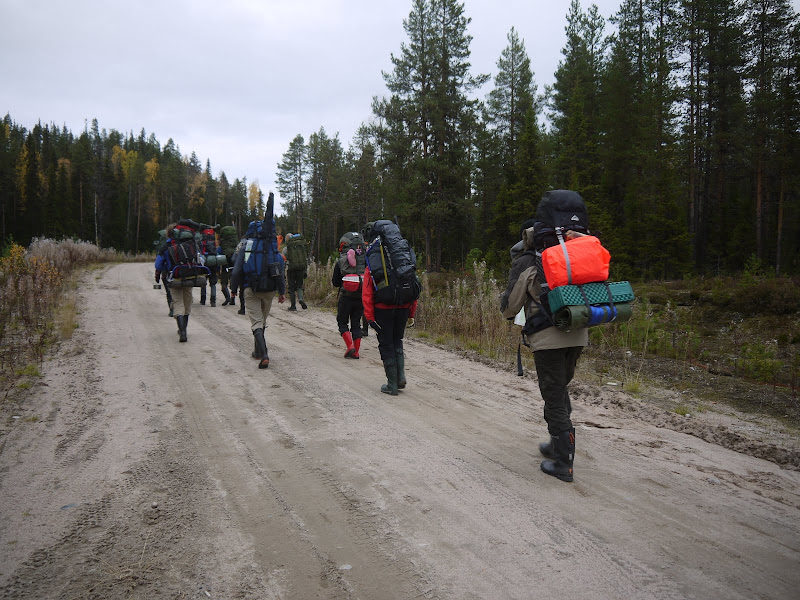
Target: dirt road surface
139,467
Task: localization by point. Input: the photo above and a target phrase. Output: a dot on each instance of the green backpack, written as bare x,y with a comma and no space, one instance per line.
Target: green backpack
228,240
296,253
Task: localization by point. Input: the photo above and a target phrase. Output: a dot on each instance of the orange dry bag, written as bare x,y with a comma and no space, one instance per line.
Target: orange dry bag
577,261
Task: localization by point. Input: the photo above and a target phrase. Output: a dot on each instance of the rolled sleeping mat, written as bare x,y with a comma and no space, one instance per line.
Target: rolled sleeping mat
573,317
216,260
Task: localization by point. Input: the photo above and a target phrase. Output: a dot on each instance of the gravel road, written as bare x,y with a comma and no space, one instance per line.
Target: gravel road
139,467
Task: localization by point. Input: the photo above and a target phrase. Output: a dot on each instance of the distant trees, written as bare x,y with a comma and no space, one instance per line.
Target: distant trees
103,186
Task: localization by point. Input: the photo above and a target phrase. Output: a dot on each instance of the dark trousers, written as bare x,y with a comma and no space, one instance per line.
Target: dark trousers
295,280
349,313
555,369
392,323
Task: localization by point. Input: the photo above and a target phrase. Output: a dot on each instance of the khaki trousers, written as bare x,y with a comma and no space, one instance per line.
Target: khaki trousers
258,305
181,300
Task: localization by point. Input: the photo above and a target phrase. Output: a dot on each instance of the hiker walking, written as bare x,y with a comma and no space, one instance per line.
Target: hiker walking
555,351
389,293
348,275
296,254
259,270
228,240
213,260
164,272
238,287
179,259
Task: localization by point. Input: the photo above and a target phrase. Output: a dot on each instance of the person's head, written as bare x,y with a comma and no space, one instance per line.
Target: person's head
170,229
288,236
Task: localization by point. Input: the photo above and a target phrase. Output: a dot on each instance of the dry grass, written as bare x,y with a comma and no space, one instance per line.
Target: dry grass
37,297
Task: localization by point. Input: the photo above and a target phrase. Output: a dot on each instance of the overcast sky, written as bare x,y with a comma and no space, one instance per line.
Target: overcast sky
235,81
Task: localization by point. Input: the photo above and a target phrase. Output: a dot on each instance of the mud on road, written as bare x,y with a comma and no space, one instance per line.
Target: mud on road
139,467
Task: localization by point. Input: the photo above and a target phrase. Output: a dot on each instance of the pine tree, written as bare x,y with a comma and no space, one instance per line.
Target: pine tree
292,173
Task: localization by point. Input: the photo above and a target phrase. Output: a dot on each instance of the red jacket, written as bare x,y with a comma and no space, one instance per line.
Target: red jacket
367,293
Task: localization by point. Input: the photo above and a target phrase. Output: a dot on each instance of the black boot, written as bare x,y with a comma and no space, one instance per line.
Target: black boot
182,322
401,369
241,303
564,447
233,300
213,297
291,299
261,346
227,295
203,295
300,299
390,367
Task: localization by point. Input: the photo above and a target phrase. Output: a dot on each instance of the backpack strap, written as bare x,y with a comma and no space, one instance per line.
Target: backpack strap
563,245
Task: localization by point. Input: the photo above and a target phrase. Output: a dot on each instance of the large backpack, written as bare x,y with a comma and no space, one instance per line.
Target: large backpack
228,239
184,252
352,276
572,274
392,265
262,265
297,253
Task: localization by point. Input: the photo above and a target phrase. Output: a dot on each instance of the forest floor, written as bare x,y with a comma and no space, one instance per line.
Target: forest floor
138,467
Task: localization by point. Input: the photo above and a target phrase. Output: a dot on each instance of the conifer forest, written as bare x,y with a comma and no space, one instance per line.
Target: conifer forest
678,121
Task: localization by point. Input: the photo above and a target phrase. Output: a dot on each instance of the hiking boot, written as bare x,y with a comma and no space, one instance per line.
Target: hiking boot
564,449
227,295
301,300
546,448
401,366
293,307
357,346
261,346
351,349
241,311
390,367
182,322
233,300
171,312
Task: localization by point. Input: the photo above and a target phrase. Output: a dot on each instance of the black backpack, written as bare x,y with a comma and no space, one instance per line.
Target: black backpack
392,265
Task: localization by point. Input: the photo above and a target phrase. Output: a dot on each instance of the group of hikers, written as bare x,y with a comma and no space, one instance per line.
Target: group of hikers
557,288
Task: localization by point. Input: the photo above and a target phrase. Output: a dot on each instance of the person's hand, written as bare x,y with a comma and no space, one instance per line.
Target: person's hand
281,298
375,325
411,322
158,276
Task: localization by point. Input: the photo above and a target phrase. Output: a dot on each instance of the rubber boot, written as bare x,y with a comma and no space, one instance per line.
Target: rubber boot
364,327
171,310
390,367
357,346
241,303
292,300
300,299
348,339
233,300
227,295
213,296
564,447
261,344
255,353
546,449
182,319
401,369
203,295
